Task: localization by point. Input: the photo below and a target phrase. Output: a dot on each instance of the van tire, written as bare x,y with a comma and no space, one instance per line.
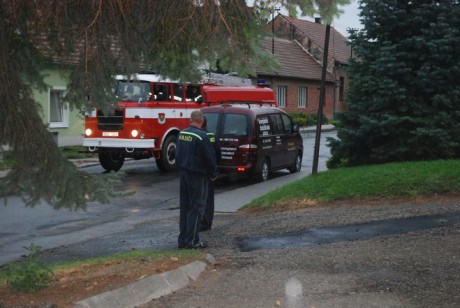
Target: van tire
168,154
111,159
264,171
297,164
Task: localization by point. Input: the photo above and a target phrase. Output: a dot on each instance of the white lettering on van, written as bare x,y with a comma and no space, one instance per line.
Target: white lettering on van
263,121
227,152
264,126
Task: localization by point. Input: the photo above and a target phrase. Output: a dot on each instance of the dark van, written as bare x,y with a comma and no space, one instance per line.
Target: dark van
254,139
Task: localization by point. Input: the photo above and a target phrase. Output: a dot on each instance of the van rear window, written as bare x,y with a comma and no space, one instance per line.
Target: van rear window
235,125
212,119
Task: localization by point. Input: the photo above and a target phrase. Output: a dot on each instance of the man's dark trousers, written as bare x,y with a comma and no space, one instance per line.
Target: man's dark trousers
208,217
193,194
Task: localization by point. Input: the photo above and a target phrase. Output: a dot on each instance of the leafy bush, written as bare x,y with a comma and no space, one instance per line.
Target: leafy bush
304,119
30,274
7,161
299,118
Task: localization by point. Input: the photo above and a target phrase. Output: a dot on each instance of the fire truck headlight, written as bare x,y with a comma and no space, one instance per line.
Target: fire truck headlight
88,132
142,136
134,133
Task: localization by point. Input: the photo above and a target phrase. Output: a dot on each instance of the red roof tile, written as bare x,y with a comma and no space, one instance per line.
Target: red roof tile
339,48
294,61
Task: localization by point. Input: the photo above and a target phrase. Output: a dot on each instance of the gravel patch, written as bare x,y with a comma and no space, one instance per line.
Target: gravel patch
414,269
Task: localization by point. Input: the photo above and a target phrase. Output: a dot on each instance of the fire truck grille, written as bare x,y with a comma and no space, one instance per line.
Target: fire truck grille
111,121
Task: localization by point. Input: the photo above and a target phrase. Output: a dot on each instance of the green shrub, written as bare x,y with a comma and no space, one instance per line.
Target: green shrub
8,161
304,119
30,274
299,118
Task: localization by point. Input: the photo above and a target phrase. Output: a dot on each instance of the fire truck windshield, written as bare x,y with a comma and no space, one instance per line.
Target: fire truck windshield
133,91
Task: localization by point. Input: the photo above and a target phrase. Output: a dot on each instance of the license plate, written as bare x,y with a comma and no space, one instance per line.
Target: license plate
110,134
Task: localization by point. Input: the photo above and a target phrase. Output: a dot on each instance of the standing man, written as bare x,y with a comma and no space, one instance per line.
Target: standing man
197,165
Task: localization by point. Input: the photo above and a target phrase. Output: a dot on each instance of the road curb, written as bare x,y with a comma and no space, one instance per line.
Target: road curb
149,288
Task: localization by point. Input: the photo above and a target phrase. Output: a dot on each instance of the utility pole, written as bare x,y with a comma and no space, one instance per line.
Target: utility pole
322,94
273,28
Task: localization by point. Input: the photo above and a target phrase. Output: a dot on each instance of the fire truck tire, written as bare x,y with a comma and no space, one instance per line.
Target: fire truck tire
167,161
111,160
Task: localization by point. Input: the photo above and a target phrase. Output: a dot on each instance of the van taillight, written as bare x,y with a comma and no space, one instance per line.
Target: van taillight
248,147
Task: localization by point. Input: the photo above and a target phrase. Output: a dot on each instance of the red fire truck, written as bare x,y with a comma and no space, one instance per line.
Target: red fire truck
146,120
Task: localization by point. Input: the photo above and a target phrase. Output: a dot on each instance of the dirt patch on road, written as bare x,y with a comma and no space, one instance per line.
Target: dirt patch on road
71,286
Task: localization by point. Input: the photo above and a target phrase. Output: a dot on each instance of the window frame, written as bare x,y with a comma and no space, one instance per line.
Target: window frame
281,96
302,97
64,108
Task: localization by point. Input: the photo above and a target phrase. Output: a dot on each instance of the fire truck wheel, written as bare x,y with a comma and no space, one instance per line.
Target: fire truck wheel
168,154
111,160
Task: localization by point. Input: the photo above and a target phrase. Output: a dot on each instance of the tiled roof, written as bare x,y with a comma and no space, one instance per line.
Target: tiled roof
294,61
339,48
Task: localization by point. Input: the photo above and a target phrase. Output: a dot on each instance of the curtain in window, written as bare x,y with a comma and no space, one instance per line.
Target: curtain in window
56,107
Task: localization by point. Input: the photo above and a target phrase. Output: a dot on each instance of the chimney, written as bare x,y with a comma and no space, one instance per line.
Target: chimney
318,20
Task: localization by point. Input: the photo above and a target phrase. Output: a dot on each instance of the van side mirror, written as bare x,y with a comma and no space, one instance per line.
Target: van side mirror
295,128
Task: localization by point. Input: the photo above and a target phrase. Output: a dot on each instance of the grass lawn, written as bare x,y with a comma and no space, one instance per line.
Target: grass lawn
377,181
71,152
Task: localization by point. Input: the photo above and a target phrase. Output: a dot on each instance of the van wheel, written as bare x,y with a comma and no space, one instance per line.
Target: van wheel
111,159
168,154
264,171
297,165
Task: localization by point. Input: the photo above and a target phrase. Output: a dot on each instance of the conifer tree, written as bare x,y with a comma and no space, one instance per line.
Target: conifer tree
404,95
97,39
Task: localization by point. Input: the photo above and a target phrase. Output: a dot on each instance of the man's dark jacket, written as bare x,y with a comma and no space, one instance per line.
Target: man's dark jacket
195,152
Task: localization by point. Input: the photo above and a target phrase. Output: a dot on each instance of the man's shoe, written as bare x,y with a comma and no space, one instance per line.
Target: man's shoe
205,228
182,246
199,245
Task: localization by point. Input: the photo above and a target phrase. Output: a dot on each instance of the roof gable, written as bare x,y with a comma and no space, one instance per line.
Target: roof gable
294,61
339,47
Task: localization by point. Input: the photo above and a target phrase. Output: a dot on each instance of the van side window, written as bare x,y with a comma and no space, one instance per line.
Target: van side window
277,123
287,123
235,125
264,126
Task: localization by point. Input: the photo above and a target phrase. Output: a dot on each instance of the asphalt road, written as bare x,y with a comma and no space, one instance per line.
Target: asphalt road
126,222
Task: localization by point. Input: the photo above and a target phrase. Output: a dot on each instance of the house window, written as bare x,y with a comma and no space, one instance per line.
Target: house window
59,111
281,96
303,95
342,89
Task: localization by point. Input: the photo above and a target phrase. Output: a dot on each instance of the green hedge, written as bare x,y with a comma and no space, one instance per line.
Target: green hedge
304,119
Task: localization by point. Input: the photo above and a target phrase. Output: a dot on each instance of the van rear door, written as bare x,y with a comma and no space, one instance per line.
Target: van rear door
279,142
291,140
237,142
